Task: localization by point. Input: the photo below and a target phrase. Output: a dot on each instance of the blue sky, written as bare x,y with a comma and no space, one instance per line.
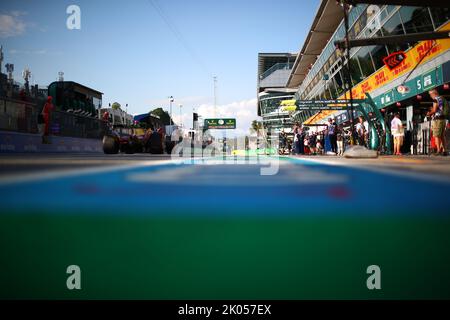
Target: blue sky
126,50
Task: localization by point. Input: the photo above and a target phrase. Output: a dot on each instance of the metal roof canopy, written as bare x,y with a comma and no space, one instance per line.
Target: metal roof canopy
325,23
266,60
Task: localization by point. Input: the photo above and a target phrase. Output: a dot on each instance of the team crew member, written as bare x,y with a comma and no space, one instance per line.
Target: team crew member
361,131
46,114
438,114
106,116
332,135
398,133
340,140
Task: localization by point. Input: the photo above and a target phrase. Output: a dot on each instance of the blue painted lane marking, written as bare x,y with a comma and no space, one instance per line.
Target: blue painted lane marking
299,188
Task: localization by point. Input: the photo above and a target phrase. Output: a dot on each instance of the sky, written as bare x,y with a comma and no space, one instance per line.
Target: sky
140,52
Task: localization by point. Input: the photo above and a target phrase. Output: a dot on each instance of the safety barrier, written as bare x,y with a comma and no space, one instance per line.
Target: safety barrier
22,116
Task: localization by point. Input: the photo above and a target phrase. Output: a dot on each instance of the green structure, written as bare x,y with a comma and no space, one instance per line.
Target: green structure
220,123
74,97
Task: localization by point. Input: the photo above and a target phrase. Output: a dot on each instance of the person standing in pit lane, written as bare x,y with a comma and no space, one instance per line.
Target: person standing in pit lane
340,140
46,115
398,133
439,113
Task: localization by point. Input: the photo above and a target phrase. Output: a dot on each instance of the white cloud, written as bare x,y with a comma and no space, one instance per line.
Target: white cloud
34,52
12,25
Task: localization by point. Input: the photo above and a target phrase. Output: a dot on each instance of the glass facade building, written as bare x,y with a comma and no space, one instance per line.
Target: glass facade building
273,73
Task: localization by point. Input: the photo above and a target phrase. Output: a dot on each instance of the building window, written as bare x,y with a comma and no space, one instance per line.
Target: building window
355,71
339,83
327,94
321,73
359,25
394,27
416,19
440,16
332,88
378,53
383,15
365,61
332,58
390,8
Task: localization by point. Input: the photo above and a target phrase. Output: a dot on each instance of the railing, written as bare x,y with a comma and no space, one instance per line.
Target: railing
275,67
72,125
22,116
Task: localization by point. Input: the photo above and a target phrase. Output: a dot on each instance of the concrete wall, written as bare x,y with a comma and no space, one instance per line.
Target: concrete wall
16,142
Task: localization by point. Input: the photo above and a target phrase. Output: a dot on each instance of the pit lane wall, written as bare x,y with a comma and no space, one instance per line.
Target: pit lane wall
17,142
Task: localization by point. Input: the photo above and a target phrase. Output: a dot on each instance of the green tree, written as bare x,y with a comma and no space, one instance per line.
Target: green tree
163,115
115,106
256,126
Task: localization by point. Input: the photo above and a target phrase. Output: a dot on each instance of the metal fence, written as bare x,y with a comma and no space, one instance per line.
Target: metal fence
423,138
18,116
21,116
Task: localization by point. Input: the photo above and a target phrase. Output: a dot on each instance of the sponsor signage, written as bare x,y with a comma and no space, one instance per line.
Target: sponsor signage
413,56
393,60
335,104
220,123
332,102
321,107
417,85
288,105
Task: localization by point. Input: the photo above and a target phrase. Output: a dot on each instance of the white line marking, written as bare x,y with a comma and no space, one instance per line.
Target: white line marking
31,177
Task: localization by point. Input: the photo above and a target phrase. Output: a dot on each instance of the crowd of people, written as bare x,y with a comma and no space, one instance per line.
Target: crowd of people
307,142
439,115
304,142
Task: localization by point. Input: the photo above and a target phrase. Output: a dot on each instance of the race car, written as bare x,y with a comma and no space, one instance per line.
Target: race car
124,139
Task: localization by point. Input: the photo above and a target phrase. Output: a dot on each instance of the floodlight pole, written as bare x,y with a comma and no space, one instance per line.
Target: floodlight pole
170,110
1,58
348,80
215,96
181,124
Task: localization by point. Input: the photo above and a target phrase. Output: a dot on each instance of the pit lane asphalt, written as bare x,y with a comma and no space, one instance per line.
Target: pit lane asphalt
18,164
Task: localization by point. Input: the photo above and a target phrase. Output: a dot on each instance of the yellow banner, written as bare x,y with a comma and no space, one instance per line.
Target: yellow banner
288,102
413,56
289,108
